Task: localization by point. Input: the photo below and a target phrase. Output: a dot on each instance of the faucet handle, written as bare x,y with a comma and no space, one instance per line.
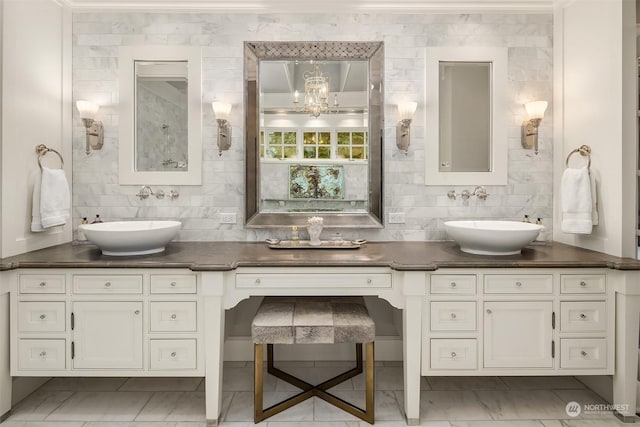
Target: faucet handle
480,193
144,192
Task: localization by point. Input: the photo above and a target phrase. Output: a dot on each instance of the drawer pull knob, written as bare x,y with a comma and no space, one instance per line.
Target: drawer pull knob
107,285
489,311
369,281
43,354
453,284
453,354
174,316
43,284
518,284
173,284
583,316
453,315
583,353
173,354
43,316
583,284
257,281
136,312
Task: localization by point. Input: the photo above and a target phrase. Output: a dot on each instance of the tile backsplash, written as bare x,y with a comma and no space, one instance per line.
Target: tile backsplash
98,36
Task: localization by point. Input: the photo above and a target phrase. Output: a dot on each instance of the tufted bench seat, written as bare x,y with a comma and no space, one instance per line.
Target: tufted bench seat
313,320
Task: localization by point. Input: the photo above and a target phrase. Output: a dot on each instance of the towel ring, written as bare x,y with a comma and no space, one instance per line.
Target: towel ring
42,149
584,150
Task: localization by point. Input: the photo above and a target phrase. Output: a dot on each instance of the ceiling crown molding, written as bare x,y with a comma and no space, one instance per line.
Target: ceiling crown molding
327,6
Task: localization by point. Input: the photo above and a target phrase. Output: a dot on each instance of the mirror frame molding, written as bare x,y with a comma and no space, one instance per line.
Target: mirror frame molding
498,56
126,152
254,52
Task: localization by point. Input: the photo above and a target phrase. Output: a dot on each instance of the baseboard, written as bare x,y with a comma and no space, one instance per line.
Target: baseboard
241,349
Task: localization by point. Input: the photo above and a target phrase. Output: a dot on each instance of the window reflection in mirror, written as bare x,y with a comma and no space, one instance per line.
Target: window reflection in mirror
327,147
161,112
465,116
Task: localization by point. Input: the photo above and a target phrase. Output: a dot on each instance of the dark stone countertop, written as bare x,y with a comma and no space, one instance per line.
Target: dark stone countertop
398,255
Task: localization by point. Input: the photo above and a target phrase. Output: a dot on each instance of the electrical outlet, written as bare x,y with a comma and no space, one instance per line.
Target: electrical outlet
227,218
396,217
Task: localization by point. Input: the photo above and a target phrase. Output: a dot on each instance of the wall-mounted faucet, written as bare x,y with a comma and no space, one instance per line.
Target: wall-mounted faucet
479,192
146,191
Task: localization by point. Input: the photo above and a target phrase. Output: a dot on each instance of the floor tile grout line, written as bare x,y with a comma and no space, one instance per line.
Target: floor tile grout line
153,393
58,406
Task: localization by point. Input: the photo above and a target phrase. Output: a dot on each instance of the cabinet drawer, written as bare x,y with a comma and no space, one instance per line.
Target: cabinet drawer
172,354
41,316
582,284
459,284
454,354
173,284
453,316
308,280
171,316
518,284
583,316
42,284
123,284
589,353
41,354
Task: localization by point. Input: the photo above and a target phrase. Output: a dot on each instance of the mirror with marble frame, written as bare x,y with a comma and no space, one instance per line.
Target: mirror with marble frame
160,123
466,116
289,180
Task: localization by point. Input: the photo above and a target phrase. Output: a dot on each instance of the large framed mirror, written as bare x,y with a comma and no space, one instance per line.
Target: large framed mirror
466,116
160,115
314,128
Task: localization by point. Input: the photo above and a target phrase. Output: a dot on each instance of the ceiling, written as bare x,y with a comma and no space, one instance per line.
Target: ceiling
288,76
309,6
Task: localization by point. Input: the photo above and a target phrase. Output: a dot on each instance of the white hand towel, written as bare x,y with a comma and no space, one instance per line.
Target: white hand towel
55,199
577,202
594,199
36,223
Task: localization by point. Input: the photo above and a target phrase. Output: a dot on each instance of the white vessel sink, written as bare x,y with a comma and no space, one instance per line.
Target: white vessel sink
492,237
122,238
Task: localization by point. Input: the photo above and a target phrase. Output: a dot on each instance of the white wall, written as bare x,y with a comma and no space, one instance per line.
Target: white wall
36,107
594,98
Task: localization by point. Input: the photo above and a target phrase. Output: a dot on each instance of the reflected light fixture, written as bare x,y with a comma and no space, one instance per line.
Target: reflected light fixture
403,129
535,111
222,110
94,129
316,93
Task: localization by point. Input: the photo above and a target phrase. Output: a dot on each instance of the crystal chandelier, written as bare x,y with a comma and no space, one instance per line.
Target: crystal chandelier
316,93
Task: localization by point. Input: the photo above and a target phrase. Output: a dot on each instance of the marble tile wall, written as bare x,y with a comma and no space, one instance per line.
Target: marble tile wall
98,36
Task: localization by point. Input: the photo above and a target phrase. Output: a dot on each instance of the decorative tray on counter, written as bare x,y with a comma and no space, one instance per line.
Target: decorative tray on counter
306,244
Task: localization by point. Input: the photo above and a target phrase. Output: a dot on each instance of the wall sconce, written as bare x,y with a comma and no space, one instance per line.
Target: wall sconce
95,131
403,129
535,110
222,111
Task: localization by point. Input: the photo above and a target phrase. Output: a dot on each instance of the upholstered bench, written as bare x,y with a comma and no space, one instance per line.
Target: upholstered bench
313,320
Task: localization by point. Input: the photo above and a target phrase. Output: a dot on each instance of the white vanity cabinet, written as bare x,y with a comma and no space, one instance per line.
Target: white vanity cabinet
518,322
106,322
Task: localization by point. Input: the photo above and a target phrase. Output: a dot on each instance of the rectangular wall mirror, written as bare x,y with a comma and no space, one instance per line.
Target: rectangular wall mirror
466,138
160,115
314,129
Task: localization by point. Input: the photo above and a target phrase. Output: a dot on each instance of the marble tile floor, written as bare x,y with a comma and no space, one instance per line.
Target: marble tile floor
179,402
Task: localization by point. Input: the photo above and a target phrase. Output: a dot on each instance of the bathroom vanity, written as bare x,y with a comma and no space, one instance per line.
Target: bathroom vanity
554,310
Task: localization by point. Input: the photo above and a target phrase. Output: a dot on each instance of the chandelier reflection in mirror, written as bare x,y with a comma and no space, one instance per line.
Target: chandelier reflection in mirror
316,93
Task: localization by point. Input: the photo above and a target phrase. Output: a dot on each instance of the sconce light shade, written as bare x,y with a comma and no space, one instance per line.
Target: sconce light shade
222,110
407,110
94,129
535,111
403,129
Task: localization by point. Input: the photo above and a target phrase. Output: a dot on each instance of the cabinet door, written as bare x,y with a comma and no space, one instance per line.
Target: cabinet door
517,334
107,335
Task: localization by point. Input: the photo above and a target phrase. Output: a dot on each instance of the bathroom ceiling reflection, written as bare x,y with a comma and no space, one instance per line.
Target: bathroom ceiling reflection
314,138
161,116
